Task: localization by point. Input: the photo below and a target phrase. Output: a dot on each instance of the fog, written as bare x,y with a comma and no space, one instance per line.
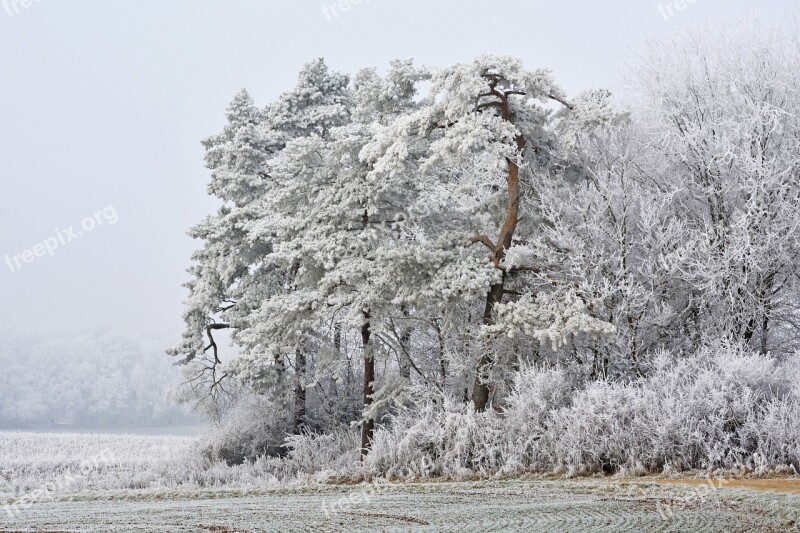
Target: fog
102,109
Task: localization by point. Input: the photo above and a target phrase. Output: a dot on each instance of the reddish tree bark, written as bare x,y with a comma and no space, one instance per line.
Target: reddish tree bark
480,390
368,424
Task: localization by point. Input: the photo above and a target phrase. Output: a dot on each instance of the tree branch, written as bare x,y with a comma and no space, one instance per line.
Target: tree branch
485,240
213,343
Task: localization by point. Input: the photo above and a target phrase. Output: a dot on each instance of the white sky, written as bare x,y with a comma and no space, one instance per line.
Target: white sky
105,102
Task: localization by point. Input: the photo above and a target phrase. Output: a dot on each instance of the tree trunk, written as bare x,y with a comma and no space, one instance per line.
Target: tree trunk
337,337
766,302
300,393
368,424
480,390
404,361
442,360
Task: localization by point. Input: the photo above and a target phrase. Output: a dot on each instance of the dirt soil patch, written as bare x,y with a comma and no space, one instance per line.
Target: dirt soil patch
783,486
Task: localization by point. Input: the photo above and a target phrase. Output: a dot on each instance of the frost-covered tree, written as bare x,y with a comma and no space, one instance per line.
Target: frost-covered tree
330,225
235,157
723,119
604,229
683,220
485,131
384,250
231,277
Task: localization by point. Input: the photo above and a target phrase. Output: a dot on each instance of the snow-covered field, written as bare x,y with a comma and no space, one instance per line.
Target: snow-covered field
31,463
480,506
145,483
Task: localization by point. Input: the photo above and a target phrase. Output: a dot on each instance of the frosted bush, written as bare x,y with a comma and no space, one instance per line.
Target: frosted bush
722,408
779,433
438,439
715,410
257,426
536,393
335,453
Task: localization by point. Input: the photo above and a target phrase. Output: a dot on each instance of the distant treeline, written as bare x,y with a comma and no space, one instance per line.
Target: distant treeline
86,378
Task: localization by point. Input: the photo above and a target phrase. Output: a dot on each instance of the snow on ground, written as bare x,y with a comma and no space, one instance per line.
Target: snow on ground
572,506
100,483
71,462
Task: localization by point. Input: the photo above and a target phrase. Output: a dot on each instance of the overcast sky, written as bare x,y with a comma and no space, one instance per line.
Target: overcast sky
103,105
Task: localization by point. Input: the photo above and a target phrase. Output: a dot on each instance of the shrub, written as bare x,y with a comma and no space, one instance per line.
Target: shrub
257,426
